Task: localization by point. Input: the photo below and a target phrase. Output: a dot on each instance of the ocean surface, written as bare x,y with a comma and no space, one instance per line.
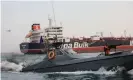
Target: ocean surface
12,64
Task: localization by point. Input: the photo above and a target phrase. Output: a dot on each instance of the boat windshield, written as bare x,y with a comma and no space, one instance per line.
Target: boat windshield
70,51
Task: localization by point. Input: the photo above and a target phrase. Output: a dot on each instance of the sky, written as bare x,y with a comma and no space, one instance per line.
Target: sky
79,18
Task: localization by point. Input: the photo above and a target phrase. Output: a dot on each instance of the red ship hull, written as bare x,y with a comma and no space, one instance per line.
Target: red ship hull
84,50
101,49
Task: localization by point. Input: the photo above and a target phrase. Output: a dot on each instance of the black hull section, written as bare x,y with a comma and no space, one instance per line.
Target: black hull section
32,48
94,64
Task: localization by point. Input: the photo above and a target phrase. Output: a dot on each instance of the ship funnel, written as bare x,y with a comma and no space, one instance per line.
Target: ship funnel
35,27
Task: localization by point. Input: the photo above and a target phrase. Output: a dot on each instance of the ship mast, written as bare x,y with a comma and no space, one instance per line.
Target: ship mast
50,21
52,2
125,33
61,24
111,34
102,34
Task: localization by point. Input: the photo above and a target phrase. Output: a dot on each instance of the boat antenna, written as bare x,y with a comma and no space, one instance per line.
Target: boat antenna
52,2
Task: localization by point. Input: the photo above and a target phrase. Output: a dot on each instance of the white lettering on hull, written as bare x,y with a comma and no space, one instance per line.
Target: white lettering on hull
67,46
75,45
80,45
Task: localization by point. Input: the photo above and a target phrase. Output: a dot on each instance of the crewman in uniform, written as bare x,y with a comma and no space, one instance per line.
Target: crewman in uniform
106,50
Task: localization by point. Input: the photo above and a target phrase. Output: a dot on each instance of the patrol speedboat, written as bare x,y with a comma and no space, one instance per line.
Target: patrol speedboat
60,60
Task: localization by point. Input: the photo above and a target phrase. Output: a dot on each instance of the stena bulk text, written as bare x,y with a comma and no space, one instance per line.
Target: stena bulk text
75,45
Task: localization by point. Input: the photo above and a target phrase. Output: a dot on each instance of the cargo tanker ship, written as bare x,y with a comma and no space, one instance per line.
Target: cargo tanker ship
38,38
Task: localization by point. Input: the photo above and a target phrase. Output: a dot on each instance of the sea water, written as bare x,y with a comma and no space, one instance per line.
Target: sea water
12,64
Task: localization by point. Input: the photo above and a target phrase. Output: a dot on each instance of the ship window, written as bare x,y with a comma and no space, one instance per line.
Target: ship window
59,52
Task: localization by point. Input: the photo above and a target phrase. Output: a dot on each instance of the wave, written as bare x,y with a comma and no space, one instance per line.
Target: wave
130,72
15,62
10,66
101,71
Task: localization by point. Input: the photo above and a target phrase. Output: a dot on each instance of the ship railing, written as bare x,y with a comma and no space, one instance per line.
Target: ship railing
38,31
26,40
36,36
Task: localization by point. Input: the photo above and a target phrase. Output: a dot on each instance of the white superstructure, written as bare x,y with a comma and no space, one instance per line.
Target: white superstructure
51,32
36,35
54,31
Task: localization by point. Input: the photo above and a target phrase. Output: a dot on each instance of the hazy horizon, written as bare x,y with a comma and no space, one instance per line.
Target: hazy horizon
79,18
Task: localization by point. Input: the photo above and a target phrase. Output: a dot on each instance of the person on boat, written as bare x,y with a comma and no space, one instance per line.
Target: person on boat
106,50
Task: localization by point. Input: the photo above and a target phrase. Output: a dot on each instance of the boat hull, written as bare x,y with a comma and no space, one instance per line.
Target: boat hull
108,62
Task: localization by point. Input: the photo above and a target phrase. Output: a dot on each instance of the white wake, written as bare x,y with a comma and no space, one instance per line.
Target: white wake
10,66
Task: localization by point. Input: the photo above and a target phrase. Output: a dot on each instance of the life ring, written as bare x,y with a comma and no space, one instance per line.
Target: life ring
51,55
